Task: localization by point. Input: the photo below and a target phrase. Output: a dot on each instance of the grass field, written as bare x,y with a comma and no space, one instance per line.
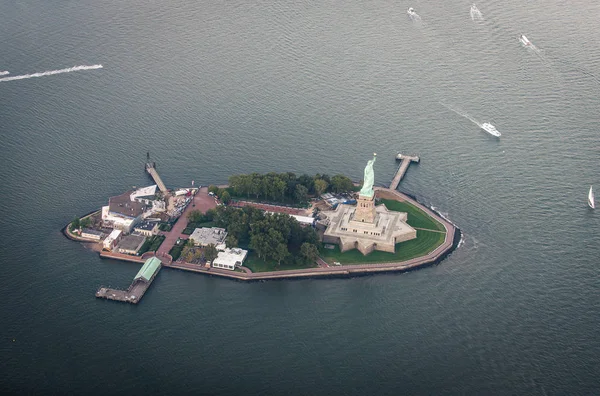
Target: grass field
152,244
259,265
425,242
416,217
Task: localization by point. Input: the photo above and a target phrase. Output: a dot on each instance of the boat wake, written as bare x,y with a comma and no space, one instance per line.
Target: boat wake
476,15
4,73
462,114
50,72
486,126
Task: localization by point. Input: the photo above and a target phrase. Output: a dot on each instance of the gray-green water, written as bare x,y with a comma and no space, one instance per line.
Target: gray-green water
216,88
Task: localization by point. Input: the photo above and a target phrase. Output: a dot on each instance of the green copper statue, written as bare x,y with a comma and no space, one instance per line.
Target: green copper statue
367,188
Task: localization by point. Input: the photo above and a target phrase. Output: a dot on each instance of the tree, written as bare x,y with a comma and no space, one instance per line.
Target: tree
309,252
301,193
75,224
213,189
84,223
231,241
280,253
320,186
225,197
195,216
341,183
210,252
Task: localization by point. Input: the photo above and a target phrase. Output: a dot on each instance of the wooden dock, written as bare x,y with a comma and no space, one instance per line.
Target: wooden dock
405,162
151,169
138,287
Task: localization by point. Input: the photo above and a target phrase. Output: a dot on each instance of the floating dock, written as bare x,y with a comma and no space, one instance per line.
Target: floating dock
405,162
138,287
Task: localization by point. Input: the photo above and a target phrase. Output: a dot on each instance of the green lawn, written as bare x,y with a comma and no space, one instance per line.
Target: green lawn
175,251
152,244
425,242
259,265
416,217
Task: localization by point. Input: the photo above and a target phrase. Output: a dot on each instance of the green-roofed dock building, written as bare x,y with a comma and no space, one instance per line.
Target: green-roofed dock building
138,287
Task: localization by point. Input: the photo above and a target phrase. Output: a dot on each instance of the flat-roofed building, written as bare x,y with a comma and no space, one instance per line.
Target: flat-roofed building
230,258
131,244
147,228
112,239
206,236
92,234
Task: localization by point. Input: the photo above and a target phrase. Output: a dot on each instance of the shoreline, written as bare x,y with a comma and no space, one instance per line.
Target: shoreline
451,242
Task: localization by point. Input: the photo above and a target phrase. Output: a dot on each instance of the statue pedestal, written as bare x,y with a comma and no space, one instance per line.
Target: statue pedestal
365,209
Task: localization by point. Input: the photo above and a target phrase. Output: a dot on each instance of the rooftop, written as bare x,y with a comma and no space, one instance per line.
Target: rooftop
123,205
147,226
232,257
92,232
143,192
150,267
206,236
131,242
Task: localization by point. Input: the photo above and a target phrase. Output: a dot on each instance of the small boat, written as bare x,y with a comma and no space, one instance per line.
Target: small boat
525,41
591,198
489,128
411,11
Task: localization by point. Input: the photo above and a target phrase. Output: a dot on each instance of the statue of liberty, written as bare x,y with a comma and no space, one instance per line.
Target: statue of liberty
367,188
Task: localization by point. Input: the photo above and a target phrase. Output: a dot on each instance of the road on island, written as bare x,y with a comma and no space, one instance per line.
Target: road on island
203,202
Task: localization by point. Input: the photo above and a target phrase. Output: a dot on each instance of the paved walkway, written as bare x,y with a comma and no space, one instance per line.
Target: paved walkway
203,202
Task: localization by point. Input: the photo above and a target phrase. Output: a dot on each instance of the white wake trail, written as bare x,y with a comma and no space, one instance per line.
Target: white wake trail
4,73
51,72
462,114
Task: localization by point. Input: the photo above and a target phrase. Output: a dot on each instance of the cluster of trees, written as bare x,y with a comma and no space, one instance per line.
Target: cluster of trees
79,223
196,216
287,186
272,236
222,193
191,253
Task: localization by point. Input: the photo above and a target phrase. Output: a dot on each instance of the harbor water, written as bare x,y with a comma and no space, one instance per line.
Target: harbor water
213,89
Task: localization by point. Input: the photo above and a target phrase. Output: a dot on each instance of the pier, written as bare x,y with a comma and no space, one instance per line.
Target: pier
405,162
151,169
138,287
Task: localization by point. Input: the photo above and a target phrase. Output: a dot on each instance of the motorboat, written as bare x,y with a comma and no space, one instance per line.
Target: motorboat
525,41
411,11
591,199
489,128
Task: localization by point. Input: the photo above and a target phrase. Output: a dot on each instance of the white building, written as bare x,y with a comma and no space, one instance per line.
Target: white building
230,258
92,234
112,240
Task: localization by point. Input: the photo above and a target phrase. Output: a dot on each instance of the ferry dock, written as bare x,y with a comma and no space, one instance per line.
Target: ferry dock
405,162
138,287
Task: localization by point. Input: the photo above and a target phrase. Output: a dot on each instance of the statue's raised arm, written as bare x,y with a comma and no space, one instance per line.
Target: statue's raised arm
367,188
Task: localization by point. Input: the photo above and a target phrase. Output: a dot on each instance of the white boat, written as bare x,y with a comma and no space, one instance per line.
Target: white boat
591,198
489,128
411,11
475,13
525,41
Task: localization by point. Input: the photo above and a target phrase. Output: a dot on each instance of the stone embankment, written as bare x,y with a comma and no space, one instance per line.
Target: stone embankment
450,242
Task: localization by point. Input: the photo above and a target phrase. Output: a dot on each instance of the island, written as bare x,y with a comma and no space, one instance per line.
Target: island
263,227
